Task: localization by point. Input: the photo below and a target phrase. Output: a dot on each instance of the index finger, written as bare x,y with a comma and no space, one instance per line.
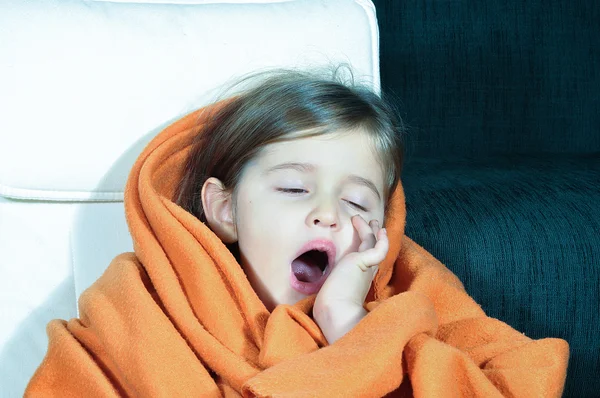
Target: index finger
365,233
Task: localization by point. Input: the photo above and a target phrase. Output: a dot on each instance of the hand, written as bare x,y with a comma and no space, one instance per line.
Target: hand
339,304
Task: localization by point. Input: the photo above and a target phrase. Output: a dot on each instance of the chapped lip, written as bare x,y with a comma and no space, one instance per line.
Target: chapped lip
322,245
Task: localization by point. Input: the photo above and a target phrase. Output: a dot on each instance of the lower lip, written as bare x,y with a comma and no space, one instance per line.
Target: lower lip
308,288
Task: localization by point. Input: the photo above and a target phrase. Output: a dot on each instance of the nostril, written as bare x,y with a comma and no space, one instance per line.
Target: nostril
317,222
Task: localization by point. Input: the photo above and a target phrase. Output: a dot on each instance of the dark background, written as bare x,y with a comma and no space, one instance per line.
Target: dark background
494,77
502,169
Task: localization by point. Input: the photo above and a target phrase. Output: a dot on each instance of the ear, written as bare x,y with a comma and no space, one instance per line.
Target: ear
218,208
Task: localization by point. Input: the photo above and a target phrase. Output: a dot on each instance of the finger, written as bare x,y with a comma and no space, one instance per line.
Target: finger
365,233
374,224
372,257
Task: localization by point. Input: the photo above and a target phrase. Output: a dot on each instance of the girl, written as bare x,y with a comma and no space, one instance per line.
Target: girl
288,174
262,268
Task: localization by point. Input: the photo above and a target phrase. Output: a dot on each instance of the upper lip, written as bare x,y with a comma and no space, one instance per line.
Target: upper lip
323,245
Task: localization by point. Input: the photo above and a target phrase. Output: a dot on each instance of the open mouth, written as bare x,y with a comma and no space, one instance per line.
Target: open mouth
309,267
312,266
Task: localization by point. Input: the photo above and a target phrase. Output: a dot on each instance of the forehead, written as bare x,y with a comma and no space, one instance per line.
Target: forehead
343,153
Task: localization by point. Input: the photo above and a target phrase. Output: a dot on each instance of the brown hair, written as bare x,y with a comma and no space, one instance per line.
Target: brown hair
284,103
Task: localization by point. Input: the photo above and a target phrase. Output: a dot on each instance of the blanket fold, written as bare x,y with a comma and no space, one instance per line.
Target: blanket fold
178,317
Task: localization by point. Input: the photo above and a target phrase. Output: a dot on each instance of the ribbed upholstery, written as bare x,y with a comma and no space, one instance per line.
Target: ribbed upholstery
494,77
522,234
502,100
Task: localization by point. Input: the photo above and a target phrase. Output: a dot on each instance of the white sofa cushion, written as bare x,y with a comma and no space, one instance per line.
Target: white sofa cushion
85,81
84,85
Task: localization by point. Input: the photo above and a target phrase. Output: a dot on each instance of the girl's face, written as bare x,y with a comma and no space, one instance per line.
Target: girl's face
300,195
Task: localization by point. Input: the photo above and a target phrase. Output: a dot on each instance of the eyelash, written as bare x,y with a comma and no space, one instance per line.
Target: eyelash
296,191
292,190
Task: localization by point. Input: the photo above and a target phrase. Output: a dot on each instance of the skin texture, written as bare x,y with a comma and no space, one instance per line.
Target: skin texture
294,192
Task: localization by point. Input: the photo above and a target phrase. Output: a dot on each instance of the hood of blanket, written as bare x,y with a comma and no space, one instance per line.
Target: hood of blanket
160,229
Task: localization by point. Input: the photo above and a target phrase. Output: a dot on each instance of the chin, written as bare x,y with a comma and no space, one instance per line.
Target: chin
291,297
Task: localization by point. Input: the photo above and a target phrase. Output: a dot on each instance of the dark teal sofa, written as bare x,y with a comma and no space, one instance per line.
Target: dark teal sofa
502,175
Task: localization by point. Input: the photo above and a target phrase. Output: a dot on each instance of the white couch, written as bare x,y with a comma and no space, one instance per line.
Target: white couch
84,85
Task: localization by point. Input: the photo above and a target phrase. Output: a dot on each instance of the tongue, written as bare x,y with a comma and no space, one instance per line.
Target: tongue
306,271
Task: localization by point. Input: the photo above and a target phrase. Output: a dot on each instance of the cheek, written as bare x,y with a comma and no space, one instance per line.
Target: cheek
348,241
261,222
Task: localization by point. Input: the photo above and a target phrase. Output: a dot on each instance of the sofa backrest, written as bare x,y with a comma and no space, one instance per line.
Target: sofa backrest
84,85
478,79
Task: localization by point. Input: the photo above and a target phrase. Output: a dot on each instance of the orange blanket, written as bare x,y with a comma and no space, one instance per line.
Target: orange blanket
179,318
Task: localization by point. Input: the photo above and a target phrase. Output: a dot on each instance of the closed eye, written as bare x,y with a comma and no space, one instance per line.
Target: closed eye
357,206
292,190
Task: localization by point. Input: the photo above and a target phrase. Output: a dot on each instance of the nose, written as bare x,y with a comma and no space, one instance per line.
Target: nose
323,215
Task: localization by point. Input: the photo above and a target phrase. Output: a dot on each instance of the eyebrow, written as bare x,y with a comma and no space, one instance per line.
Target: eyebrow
307,167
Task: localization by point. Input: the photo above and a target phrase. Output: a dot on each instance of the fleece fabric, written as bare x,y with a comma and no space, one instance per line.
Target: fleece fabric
178,317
